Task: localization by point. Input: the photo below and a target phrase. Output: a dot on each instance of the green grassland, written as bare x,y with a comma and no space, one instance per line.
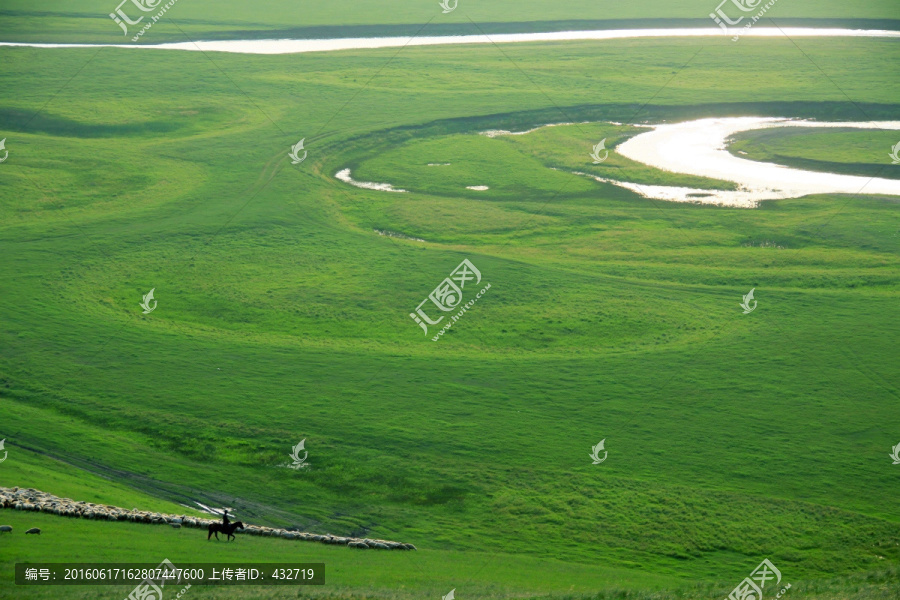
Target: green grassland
847,151
282,315
348,572
354,574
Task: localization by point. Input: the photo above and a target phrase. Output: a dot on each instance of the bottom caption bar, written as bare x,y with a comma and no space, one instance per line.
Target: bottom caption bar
154,577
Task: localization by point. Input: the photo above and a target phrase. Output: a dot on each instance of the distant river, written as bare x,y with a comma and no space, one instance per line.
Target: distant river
326,45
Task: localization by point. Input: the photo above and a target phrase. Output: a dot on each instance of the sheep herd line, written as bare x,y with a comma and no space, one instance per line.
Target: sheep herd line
36,500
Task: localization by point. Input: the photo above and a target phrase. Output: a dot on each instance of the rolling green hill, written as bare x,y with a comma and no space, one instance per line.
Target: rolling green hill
283,315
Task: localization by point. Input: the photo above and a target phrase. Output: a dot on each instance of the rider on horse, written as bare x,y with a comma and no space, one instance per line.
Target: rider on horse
226,527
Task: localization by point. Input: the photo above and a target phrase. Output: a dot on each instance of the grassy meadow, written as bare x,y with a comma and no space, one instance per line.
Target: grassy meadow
283,315
846,151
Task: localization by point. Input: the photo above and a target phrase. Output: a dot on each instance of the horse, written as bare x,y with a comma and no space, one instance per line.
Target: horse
228,530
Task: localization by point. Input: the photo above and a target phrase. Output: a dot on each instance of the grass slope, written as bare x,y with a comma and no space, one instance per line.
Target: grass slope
283,316
847,151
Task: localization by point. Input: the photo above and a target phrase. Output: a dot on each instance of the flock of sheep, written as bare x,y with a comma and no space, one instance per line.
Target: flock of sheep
34,500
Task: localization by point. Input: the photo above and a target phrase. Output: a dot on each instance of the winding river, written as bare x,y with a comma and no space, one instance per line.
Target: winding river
328,45
699,148
694,147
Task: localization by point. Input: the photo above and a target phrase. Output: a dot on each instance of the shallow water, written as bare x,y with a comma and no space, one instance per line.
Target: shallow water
699,148
327,45
210,510
344,175
492,133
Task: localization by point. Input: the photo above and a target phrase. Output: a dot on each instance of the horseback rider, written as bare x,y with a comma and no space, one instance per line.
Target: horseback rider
226,527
